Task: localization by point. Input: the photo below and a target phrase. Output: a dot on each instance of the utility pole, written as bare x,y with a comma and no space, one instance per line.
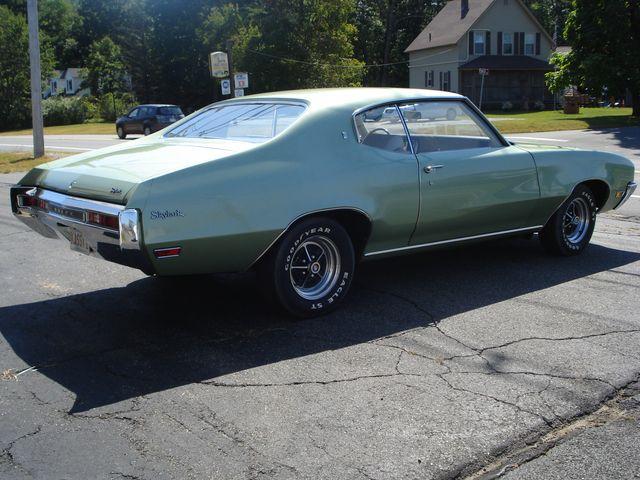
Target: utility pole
230,58
36,79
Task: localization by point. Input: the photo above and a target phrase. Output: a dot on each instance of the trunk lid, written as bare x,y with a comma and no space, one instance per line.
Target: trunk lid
110,174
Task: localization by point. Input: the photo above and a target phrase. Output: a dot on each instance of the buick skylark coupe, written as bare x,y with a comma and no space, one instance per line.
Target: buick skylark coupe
302,185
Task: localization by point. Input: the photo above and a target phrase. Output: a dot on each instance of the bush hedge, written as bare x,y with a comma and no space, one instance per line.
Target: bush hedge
65,110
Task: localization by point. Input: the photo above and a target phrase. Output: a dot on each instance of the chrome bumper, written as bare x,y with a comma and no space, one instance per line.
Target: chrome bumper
631,188
55,215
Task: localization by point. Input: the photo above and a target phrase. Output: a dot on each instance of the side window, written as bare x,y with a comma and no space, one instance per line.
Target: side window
382,128
443,126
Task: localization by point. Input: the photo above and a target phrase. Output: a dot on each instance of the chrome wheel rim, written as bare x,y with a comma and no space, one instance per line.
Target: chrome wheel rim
314,268
576,220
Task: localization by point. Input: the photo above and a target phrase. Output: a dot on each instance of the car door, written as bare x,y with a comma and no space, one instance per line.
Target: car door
471,182
130,121
386,170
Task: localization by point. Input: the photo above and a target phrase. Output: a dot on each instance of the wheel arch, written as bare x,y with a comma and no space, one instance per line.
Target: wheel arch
355,221
600,189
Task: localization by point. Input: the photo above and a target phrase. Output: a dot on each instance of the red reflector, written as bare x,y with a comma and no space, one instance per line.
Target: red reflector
107,221
167,252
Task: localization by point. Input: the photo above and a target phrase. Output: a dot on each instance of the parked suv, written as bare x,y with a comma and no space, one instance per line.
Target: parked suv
147,119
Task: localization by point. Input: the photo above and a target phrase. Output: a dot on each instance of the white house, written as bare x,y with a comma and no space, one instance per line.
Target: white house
65,82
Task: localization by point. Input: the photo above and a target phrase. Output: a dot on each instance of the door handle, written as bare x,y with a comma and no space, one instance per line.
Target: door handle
431,168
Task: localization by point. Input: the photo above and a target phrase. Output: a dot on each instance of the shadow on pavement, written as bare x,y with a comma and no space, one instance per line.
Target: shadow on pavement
114,344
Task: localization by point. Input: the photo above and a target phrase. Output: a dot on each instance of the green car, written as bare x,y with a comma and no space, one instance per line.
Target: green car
302,185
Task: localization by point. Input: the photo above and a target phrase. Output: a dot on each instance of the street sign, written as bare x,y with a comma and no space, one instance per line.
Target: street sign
239,92
225,86
219,64
483,71
241,80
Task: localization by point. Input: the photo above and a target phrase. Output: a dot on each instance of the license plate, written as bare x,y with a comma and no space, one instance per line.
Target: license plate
79,243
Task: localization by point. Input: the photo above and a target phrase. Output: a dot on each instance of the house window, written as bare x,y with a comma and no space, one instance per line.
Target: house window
507,43
54,86
530,44
428,78
69,85
446,83
478,43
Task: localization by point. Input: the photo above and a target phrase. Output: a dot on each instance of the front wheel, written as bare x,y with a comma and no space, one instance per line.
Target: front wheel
147,131
311,269
121,134
568,232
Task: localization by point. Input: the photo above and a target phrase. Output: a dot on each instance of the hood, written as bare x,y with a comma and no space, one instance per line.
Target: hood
110,174
538,147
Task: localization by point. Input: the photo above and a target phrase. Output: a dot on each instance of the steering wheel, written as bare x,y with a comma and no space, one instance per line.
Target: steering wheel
379,128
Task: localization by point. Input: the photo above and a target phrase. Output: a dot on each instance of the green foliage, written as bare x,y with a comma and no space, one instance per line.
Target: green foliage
112,106
105,71
15,87
60,110
560,78
60,23
605,40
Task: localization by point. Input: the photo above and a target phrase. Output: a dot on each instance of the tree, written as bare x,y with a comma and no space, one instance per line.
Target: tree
15,87
106,73
385,30
60,23
303,44
605,40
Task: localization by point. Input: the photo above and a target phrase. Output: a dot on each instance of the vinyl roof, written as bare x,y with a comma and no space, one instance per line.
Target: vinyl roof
351,97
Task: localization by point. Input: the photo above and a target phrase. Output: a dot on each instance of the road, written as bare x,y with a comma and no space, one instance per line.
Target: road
494,358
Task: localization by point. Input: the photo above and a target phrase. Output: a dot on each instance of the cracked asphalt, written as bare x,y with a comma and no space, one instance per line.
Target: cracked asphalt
479,362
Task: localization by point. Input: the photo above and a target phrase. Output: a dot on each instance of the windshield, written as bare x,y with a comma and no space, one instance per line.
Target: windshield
246,122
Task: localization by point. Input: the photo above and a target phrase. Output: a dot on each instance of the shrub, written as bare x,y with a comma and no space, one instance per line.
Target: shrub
538,105
507,106
64,110
112,106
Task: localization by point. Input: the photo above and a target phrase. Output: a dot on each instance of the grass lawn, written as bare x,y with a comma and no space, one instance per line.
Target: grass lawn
23,161
547,121
89,128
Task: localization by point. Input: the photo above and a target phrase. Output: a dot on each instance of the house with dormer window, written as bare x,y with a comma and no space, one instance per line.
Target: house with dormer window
501,37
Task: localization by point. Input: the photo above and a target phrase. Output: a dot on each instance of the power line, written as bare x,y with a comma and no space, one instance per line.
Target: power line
320,64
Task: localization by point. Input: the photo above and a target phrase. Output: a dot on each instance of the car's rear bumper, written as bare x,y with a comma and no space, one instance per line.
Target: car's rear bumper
631,188
55,215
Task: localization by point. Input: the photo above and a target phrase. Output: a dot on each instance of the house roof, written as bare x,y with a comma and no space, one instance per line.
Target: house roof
70,72
447,27
507,62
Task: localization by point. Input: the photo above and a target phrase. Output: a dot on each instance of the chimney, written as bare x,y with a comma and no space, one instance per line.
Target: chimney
464,8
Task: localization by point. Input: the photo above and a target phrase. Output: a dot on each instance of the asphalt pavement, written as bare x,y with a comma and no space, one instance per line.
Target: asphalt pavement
478,362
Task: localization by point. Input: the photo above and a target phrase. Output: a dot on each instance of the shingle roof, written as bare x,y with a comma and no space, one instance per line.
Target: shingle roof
447,27
507,62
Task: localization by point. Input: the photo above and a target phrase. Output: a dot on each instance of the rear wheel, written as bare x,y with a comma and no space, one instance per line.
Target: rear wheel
311,268
568,232
120,132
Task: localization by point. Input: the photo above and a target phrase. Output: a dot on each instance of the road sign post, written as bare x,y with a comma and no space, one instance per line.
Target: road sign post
230,60
483,73
36,79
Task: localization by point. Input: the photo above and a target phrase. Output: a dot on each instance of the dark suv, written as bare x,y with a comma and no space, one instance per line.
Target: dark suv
147,119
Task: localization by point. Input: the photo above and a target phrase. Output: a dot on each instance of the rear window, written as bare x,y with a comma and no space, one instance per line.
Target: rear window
169,111
246,122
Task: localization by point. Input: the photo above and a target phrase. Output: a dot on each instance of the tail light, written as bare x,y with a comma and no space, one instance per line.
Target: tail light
103,220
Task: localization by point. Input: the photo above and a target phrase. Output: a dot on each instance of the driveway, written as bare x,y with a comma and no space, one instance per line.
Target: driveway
494,358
